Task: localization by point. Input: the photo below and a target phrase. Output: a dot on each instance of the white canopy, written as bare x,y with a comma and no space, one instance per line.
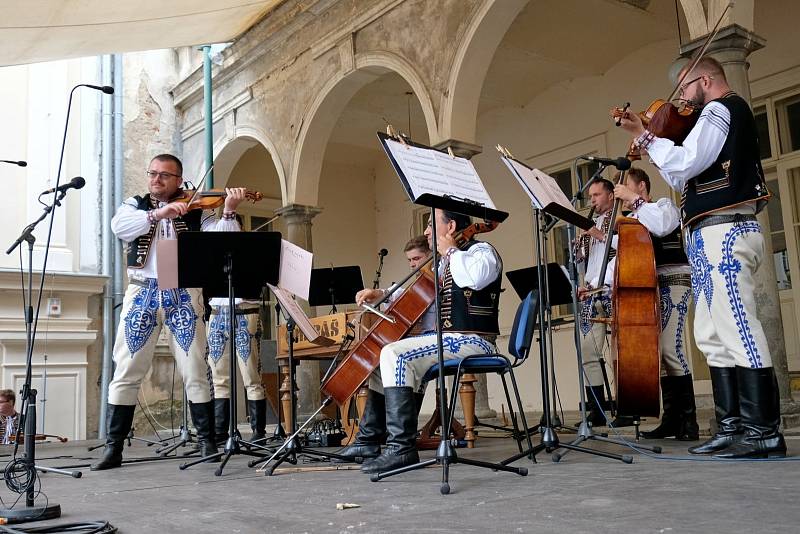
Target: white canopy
45,30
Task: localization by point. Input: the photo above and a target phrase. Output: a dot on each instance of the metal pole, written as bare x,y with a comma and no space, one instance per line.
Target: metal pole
209,123
106,166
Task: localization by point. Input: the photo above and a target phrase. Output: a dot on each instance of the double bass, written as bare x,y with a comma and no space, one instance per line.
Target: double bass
409,307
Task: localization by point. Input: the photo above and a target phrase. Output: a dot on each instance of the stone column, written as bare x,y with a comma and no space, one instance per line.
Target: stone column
482,408
297,219
731,48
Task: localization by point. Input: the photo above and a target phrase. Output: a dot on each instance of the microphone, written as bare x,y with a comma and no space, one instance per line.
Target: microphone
20,163
75,183
383,252
107,89
622,164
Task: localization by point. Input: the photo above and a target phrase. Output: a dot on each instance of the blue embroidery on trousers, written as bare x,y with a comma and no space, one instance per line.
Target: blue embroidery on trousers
701,268
179,316
589,311
450,344
140,321
730,268
218,335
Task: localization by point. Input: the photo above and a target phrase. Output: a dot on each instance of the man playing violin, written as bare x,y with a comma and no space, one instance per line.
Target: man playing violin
470,278
372,426
143,221
662,220
718,171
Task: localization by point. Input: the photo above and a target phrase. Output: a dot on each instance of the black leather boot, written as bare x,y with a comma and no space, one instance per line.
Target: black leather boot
119,419
687,410
203,419
670,421
222,418
257,410
726,408
371,431
401,425
594,411
759,403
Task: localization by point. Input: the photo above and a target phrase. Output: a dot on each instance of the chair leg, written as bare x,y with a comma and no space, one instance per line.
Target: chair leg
511,414
521,408
466,392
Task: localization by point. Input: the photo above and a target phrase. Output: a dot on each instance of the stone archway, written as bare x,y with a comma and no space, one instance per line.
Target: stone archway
325,110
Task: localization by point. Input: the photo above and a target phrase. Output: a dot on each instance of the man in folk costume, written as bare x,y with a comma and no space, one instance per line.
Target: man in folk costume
143,221
662,220
718,170
372,426
470,277
594,305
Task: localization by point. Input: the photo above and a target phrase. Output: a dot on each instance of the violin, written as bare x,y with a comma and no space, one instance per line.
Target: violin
36,437
663,118
211,198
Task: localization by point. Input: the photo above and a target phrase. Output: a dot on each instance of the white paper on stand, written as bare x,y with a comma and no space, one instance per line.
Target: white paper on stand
299,316
295,269
427,170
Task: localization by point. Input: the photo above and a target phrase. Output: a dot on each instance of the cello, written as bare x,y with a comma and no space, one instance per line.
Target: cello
364,358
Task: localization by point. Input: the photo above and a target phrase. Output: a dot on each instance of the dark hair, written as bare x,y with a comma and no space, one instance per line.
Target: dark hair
9,394
173,159
638,175
607,185
417,243
462,221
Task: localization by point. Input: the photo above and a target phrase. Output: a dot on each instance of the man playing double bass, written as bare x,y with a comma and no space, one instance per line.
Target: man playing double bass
470,276
718,170
662,220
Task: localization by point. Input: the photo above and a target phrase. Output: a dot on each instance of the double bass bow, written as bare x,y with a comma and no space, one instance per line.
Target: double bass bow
405,311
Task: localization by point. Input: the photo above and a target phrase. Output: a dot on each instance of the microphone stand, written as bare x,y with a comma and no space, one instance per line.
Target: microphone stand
49,510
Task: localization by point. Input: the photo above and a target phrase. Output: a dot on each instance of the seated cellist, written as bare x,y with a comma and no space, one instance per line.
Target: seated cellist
471,278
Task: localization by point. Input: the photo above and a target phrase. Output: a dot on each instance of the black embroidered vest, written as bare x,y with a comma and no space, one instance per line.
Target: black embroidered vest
139,248
736,177
669,249
470,311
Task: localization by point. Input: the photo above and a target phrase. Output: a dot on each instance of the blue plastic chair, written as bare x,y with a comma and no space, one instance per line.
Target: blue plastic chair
519,345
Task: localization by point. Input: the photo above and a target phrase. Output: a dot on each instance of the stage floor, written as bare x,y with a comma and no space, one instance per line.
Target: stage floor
667,493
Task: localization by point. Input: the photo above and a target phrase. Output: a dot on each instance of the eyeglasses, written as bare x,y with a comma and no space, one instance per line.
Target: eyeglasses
683,86
162,175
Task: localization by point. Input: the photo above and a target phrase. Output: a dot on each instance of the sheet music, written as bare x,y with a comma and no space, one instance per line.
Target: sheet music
300,318
430,171
542,188
295,269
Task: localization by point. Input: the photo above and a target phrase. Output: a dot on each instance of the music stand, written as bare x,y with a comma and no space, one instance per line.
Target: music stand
548,198
232,264
427,190
292,446
335,285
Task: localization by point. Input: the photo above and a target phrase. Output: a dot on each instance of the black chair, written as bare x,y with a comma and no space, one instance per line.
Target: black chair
519,345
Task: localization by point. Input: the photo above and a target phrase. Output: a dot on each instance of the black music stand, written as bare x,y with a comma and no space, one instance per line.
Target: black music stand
335,285
292,446
547,198
232,264
445,453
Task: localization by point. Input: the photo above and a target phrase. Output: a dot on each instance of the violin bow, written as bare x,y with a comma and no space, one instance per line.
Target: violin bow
197,187
701,51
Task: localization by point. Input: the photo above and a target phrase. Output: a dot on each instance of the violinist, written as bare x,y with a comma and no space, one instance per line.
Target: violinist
595,305
372,427
9,418
142,221
662,220
718,171
470,278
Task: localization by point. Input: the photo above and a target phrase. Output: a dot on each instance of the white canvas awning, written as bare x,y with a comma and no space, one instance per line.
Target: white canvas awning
46,30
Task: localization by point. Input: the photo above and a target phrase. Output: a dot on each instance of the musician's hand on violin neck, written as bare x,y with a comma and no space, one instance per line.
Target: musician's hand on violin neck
172,210
234,197
628,120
